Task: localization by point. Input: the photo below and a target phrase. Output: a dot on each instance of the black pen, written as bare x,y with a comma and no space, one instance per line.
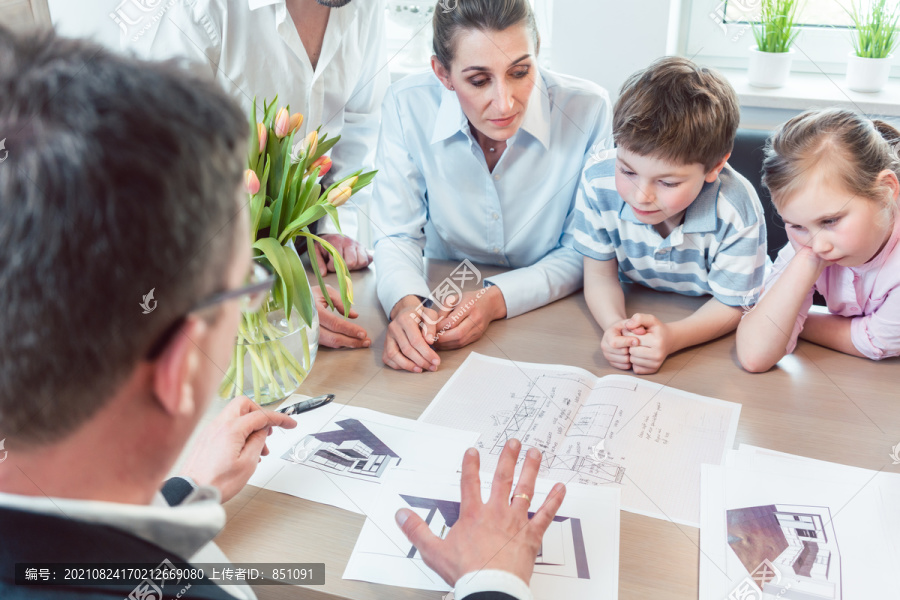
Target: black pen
306,405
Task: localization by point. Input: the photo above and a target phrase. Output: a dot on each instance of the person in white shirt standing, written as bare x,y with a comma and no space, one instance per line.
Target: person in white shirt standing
324,58
479,161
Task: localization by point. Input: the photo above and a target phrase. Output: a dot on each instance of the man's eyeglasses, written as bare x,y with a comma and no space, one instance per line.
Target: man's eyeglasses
252,295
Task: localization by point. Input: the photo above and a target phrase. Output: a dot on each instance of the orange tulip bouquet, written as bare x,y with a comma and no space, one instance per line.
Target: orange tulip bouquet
286,196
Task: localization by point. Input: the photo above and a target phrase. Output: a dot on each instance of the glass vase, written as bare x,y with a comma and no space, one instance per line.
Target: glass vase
275,354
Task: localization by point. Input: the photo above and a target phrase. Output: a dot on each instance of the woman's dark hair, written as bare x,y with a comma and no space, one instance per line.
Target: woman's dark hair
486,15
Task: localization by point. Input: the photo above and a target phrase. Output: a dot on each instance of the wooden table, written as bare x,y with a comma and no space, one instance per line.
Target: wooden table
816,403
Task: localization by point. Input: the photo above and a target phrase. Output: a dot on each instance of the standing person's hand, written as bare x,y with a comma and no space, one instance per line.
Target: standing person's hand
354,254
410,334
228,449
493,535
334,330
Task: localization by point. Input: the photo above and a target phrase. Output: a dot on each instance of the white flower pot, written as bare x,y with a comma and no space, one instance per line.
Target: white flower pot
867,74
769,69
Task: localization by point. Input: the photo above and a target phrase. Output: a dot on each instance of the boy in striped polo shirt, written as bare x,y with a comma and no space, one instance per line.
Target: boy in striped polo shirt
664,209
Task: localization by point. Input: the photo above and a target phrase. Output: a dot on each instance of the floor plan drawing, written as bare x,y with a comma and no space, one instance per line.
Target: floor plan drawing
540,416
615,430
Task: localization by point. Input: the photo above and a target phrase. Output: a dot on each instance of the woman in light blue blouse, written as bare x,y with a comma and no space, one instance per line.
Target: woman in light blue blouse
480,161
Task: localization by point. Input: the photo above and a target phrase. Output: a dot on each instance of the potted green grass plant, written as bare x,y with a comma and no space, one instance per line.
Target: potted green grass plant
770,59
875,37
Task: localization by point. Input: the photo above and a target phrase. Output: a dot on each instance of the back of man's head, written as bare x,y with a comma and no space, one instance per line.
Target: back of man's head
121,177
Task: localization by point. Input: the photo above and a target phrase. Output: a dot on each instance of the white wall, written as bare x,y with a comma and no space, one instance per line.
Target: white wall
605,41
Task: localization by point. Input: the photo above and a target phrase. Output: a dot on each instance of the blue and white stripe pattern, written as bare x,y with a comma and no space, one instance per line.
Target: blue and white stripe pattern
719,249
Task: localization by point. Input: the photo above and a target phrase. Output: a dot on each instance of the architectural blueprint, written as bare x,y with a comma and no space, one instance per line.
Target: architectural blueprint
615,430
338,454
577,559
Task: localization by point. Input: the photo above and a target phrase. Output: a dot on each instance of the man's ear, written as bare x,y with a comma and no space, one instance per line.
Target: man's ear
714,172
441,71
174,370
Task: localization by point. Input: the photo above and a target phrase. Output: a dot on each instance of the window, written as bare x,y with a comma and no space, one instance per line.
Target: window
812,12
719,34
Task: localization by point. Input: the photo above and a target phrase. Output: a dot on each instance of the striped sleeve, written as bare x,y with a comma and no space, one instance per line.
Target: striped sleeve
595,234
738,269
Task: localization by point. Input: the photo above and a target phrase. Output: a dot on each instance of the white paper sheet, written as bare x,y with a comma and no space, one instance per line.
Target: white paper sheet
579,557
339,454
617,430
782,526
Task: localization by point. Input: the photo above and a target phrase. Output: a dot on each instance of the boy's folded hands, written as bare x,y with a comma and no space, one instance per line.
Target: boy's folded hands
654,343
615,345
640,343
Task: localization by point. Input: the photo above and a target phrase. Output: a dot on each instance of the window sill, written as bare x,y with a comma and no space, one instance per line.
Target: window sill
815,90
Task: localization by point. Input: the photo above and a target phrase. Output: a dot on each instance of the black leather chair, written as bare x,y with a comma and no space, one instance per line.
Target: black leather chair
746,159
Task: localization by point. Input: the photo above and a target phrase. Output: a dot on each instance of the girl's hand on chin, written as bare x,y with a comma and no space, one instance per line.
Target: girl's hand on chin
814,260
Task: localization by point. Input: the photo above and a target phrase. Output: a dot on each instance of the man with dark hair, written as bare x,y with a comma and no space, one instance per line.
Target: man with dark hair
99,397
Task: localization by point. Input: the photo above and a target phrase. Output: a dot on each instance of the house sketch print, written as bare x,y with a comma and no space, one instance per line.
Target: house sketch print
542,417
562,550
798,541
350,450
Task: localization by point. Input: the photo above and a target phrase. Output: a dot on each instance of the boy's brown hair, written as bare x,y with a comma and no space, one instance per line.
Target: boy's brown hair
677,111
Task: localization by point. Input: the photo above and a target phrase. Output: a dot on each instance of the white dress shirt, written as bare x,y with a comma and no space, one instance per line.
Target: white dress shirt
435,195
252,48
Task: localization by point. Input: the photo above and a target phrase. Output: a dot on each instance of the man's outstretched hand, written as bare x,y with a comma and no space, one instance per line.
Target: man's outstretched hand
493,535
